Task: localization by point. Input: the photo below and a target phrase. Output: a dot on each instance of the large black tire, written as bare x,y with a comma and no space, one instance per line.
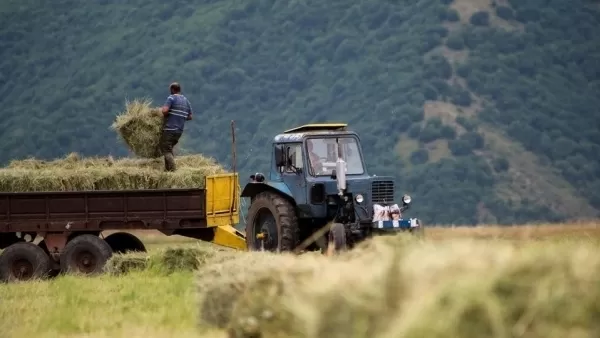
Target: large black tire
271,213
85,254
123,242
23,261
337,235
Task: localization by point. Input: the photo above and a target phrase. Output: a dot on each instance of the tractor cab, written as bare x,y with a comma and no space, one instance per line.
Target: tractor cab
316,149
318,171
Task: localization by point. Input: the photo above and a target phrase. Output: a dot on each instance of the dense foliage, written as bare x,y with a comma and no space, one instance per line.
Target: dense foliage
69,66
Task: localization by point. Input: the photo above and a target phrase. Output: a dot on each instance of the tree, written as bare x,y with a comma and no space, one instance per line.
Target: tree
480,18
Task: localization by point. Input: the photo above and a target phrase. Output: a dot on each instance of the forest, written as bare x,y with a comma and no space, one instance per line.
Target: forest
485,111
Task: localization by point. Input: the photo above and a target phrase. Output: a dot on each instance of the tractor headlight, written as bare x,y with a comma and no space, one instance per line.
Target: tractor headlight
406,199
359,198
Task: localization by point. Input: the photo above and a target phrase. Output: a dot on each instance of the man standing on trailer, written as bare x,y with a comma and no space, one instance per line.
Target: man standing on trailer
176,110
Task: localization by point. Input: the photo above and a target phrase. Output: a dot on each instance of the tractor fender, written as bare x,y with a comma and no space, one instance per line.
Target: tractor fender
254,188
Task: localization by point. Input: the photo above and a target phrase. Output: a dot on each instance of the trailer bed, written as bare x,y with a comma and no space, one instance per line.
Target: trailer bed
161,209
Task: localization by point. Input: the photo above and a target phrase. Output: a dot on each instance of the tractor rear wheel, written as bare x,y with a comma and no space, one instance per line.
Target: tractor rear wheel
23,261
271,223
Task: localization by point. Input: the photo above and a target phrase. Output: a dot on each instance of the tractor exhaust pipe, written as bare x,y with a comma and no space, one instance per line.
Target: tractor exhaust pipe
340,168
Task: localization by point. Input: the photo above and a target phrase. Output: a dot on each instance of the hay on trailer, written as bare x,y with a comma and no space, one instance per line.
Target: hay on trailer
456,289
140,127
74,173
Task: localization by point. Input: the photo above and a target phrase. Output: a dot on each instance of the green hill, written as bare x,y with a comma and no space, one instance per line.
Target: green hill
485,111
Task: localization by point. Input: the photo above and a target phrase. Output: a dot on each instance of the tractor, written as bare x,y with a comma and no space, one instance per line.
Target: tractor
318,193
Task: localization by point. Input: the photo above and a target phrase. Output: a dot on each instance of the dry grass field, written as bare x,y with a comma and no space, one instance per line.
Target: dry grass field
529,281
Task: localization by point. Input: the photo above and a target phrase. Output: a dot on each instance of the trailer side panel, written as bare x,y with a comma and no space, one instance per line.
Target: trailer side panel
102,210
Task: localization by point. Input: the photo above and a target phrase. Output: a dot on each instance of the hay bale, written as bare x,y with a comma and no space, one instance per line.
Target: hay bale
140,127
451,289
74,173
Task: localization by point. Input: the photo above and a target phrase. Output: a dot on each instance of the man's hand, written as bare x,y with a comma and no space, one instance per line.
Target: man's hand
189,117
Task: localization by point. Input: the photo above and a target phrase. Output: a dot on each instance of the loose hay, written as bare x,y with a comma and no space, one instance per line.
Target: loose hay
105,173
140,126
387,289
164,261
120,264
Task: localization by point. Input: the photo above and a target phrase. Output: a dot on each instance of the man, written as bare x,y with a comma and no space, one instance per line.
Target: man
315,162
176,110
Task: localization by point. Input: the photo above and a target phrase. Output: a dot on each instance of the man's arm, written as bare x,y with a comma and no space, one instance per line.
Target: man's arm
167,106
189,117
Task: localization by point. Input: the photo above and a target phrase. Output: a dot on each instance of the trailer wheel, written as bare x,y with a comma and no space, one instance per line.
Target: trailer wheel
122,242
23,261
85,254
337,238
272,222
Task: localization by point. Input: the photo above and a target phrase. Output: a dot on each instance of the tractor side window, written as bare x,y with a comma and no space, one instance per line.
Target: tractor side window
294,155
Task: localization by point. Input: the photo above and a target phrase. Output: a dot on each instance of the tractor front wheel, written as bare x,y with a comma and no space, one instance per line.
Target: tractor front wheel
272,224
337,239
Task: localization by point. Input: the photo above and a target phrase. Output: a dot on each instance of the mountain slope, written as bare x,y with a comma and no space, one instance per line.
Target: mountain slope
484,111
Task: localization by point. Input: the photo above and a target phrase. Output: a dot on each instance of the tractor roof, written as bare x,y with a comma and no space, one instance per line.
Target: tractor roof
318,127
298,133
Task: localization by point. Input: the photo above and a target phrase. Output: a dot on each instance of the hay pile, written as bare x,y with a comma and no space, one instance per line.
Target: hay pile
462,288
74,173
140,126
165,261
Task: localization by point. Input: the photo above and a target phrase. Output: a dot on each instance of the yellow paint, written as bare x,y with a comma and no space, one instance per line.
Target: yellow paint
230,237
318,126
222,199
222,210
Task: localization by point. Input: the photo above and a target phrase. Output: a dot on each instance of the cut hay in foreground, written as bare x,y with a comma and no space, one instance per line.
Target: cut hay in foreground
391,288
140,126
166,261
76,174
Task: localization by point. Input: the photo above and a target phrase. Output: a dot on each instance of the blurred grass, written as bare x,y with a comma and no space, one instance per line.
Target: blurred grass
467,282
398,286
140,304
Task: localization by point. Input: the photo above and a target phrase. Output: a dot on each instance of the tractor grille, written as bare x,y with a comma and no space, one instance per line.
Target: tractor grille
382,192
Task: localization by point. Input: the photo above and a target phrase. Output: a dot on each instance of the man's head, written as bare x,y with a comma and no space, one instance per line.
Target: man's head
175,88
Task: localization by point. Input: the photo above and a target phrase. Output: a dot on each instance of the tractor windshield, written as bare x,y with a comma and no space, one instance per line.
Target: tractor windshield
323,153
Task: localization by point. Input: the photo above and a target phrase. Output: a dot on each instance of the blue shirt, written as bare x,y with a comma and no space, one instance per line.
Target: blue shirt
179,110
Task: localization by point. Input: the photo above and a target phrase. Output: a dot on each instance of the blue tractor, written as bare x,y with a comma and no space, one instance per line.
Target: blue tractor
318,193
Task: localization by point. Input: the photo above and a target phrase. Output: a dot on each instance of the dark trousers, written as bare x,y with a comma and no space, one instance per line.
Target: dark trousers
168,140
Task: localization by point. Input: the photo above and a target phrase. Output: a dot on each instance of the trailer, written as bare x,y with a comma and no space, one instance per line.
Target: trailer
69,224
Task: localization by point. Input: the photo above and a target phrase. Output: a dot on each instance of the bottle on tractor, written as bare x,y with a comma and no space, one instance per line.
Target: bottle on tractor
319,193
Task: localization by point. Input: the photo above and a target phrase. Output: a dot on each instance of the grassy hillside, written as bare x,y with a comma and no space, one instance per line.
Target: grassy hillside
484,110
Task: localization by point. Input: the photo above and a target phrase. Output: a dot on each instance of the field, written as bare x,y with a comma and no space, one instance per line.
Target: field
529,281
